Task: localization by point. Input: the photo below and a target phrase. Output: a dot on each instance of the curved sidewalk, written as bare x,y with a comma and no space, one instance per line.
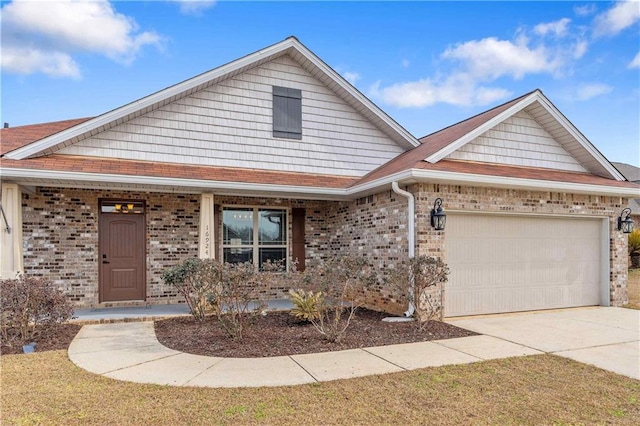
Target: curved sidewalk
131,352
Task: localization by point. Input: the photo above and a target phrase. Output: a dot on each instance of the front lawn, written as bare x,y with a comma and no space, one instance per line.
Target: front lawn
46,388
633,286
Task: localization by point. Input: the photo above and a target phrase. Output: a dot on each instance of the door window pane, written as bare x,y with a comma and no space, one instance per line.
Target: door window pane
272,227
237,226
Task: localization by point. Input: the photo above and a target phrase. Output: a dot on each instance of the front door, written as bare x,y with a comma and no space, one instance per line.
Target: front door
122,251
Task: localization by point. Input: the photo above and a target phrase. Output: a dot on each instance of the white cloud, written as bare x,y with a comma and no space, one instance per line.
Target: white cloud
585,10
456,90
589,91
621,16
47,34
556,28
351,77
29,61
194,7
580,49
635,63
491,58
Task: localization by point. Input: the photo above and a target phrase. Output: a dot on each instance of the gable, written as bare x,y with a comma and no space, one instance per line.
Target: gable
519,141
230,124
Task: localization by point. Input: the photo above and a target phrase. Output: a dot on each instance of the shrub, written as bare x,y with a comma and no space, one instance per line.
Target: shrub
231,298
30,306
306,304
412,280
222,289
194,279
342,282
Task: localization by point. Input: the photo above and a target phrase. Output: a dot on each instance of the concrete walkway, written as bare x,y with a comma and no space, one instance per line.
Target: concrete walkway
151,312
608,338
605,337
131,352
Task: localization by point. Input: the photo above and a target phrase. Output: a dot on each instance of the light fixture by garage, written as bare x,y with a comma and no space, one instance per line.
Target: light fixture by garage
625,224
438,217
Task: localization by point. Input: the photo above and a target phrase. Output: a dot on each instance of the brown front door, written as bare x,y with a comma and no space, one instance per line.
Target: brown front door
122,257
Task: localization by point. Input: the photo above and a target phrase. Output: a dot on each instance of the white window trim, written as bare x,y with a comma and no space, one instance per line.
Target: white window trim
256,244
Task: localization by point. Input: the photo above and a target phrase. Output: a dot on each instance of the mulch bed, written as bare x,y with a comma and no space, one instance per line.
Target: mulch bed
278,333
57,338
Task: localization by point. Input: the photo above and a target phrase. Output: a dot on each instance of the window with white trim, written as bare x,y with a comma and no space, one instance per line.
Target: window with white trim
254,235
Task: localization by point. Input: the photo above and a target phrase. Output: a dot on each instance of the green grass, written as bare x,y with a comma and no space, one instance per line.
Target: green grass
46,388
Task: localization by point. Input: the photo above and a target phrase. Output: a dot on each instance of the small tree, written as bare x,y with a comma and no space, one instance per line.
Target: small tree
30,306
414,280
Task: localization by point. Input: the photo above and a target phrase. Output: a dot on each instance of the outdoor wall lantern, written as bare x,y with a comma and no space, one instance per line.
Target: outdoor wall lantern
625,224
438,217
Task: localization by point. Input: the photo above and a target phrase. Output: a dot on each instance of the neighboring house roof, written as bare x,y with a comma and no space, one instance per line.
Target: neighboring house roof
290,46
632,173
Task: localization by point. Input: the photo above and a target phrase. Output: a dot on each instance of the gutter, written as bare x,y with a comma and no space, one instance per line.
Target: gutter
410,237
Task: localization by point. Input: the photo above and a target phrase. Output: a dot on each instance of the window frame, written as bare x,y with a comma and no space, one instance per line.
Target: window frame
255,245
291,98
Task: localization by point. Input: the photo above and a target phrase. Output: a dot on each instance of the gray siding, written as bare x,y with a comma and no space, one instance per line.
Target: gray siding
231,124
519,141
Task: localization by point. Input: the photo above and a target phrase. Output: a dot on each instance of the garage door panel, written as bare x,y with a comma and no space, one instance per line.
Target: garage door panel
513,263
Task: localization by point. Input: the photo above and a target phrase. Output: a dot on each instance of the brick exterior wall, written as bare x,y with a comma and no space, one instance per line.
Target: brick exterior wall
60,229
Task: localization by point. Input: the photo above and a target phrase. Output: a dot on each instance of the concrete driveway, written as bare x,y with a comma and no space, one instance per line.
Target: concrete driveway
608,338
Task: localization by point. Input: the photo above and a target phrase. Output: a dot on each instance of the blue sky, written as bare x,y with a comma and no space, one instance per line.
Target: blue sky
427,64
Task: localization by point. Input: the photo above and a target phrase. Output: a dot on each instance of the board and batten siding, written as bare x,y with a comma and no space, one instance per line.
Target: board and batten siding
230,124
518,141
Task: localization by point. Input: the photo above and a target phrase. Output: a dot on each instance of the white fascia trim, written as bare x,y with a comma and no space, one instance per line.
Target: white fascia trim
176,182
116,114
521,183
439,155
575,133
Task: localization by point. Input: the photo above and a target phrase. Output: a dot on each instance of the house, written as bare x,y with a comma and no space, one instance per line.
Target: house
632,174
276,156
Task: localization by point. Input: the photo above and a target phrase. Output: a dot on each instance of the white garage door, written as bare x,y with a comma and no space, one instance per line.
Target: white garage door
503,263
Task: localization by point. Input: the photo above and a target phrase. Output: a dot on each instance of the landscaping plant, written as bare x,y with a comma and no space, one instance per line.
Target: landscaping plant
342,282
306,304
195,279
30,306
232,298
414,280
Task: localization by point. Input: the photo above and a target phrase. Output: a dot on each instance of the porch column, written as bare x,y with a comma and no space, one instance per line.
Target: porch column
11,231
207,227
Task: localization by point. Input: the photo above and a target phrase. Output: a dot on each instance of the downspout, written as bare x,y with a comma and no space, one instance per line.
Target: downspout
410,237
